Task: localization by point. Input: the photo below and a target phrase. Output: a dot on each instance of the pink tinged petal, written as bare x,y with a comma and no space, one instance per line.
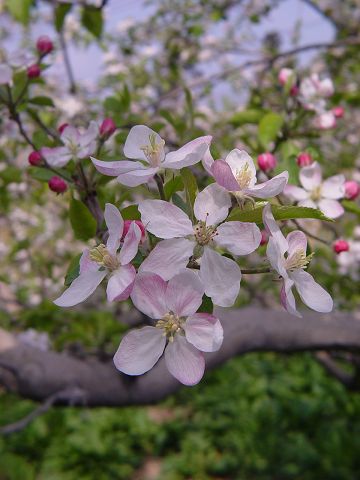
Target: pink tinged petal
148,294
204,331
184,293
273,229
212,204
331,208
276,257
239,238
56,157
287,297
113,169
137,177
115,226
131,244
208,161
295,193
70,136
224,176
139,350
307,203
168,257
311,293
184,361
238,160
221,277
5,74
120,283
270,188
81,288
297,241
164,219
190,154
86,264
310,177
334,187
139,137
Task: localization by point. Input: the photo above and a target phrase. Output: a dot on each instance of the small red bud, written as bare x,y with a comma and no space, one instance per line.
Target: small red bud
294,91
62,127
338,111
340,246
127,224
107,128
266,162
352,189
33,71
35,158
264,237
44,45
57,184
304,159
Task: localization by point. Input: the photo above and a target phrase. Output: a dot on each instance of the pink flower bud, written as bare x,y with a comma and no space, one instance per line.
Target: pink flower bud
57,184
304,159
35,158
107,128
340,246
338,111
284,75
294,91
264,237
62,127
127,224
33,71
266,162
44,45
352,189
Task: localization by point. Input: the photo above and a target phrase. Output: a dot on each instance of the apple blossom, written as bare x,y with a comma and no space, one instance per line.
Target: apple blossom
35,158
179,331
57,184
34,71
304,159
104,261
181,240
313,92
341,246
325,121
75,145
267,162
288,258
237,174
317,193
146,146
352,189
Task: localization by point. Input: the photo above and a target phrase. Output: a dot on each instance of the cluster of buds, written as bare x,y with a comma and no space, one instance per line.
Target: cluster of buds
44,46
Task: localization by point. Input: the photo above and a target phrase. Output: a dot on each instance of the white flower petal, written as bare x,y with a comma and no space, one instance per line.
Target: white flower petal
224,176
137,177
276,257
81,288
139,350
310,177
85,264
297,241
287,297
212,204
295,193
238,159
184,361
307,203
331,208
56,157
113,169
164,219
208,161
334,187
239,238
131,244
148,295
5,74
184,293
115,226
204,331
139,137
120,283
270,188
273,229
311,293
190,154
221,277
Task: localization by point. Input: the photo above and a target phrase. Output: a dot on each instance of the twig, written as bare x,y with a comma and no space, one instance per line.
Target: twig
67,63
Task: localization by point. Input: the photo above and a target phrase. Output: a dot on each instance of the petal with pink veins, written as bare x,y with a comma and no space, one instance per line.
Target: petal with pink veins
295,193
184,362
115,226
270,188
331,208
86,264
238,160
287,297
297,241
168,257
224,176
276,257
113,169
221,277
184,293
138,138
81,288
137,177
120,283
273,229
56,157
190,154
334,187
212,204
207,161
70,136
239,238
148,294
131,244
164,219
204,331
310,177
311,293
139,350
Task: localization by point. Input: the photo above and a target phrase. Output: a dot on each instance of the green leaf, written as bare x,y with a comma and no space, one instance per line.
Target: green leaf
82,222
282,212
207,305
42,100
41,174
190,185
179,202
19,10
73,271
130,213
11,174
60,13
174,185
351,207
20,80
269,128
92,20
246,116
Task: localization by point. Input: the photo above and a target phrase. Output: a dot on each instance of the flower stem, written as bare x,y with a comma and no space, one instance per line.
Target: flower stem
160,185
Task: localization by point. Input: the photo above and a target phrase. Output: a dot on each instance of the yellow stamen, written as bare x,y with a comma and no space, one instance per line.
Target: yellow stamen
298,260
101,256
243,176
171,324
154,151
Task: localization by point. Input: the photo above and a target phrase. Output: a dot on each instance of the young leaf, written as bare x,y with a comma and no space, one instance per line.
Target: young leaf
73,271
174,185
283,212
82,222
269,128
20,10
130,213
92,20
351,207
42,100
190,185
61,11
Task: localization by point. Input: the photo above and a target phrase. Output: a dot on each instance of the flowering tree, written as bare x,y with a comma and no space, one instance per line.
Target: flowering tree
155,193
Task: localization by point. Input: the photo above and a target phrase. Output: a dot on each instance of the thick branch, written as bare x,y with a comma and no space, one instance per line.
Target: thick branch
38,375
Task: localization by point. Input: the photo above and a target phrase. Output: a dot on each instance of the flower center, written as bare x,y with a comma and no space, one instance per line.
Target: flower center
171,324
243,176
298,260
316,193
204,234
101,256
154,151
